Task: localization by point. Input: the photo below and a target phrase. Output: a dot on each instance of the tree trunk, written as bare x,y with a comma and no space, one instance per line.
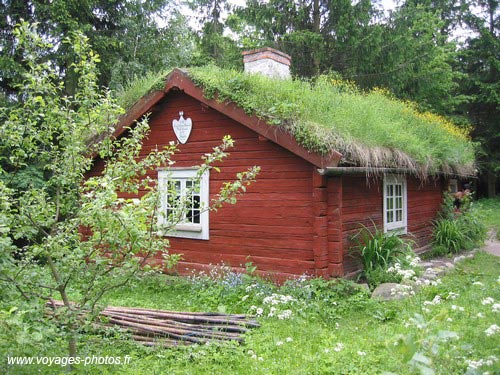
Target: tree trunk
491,181
316,29
62,291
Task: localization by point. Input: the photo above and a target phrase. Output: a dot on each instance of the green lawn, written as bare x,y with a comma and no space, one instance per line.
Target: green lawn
322,327
490,213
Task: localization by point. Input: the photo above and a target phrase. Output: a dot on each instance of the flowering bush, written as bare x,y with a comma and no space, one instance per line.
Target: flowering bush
386,257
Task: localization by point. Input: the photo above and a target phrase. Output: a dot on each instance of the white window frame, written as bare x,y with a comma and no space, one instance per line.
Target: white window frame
199,230
393,184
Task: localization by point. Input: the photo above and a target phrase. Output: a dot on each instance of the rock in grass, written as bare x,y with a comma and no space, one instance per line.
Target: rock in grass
387,292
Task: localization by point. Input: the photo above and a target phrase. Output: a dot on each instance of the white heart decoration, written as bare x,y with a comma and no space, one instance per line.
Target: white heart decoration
182,128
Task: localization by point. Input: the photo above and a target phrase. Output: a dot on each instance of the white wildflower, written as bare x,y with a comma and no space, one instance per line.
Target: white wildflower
487,301
279,343
259,311
495,308
338,347
360,353
480,315
285,314
288,339
244,298
452,295
435,301
491,330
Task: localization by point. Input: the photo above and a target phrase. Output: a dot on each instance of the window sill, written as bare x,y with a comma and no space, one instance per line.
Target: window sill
188,228
397,230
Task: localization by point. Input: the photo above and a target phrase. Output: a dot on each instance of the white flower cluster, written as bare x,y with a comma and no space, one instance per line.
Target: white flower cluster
288,339
474,365
398,270
402,290
276,299
253,355
495,308
338,347
491,330
435,301
452,295
273,301
487,301
413,260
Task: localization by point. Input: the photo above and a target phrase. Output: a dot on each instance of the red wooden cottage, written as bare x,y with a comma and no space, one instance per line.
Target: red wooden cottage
300,214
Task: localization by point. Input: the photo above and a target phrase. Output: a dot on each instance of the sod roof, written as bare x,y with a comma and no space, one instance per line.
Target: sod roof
369,129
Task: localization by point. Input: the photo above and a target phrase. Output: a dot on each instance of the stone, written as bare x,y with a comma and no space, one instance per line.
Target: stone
385,292
364,286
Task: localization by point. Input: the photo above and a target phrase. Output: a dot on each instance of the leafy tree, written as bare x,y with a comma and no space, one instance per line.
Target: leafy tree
479,60
63,235
320,35
414,60
213,45
125,33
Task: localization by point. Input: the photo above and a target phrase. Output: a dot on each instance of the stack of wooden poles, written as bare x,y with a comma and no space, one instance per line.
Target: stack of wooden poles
169,328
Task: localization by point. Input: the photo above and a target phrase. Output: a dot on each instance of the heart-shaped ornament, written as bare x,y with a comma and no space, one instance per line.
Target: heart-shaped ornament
182,128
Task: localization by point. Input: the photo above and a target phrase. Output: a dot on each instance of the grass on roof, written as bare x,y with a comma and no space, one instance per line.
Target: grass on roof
368,128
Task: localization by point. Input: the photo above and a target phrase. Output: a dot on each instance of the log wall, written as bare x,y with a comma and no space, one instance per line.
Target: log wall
272,225
362,205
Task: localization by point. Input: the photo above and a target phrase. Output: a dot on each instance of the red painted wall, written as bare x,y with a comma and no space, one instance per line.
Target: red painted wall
362,203
424,203
271,223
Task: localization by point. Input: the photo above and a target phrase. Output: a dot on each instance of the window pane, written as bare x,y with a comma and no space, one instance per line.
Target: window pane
399,215
193,213
399,202
390,217
398,190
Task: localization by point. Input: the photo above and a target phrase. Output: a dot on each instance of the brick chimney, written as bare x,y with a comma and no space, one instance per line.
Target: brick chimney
267,61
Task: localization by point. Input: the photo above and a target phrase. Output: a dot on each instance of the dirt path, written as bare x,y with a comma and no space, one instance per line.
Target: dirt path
492,246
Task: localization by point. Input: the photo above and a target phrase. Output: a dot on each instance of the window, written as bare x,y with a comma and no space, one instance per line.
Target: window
184,201
395,213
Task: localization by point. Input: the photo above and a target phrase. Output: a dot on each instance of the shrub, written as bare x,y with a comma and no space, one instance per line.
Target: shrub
379,252
458,231
448,234
378,249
